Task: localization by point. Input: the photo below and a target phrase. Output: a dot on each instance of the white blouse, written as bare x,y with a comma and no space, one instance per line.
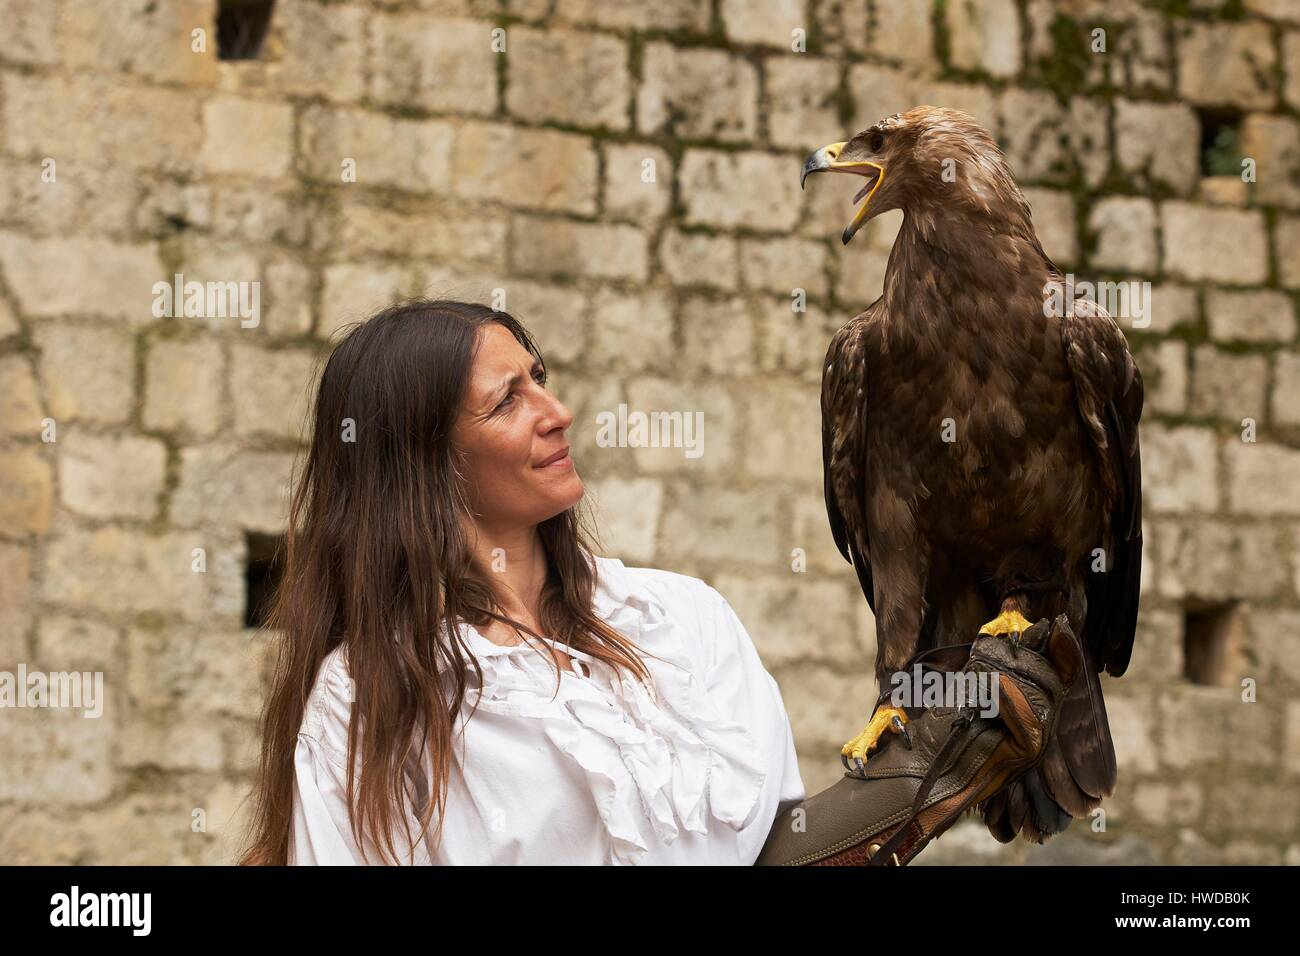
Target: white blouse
599,774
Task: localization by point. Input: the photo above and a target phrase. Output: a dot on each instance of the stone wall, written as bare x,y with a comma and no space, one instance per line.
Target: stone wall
526,171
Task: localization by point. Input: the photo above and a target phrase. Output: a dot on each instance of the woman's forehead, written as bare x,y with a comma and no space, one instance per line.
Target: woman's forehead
499,355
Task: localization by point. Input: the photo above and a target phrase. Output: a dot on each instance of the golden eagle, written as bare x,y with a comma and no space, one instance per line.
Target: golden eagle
980,443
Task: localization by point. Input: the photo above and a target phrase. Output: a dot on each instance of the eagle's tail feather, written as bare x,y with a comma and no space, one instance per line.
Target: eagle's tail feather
1025,806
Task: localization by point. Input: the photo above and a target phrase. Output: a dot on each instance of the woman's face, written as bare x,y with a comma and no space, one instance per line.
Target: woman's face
509,431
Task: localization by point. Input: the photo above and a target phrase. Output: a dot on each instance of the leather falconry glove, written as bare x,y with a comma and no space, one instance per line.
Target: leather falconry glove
918,782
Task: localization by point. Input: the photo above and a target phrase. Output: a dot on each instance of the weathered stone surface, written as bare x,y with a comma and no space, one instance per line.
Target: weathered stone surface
1250,316
58,750
1173,306
111,476
1286,389
628,512
784,439
1054,222
633,15
1218,560
1165,374
633,332
1262,478
32,32
803,95
768,24
1158,141
1126,235
113,571
27,477
734,526
747,190
638,182
89,117
1286,242
697,94
88,277
576,78
352,292
314,34
183,386
784,265
224,484
794,617
440,65
690,258
713,441
376,150
21,409
529,169
271,391
1180,468
1223,245
1227,64
15,602
1274,143
1228,386
719,336
247,137
1051,143
199,672
87,372
985,36
562,247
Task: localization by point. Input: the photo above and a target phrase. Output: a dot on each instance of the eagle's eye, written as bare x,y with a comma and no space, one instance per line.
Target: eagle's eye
876,142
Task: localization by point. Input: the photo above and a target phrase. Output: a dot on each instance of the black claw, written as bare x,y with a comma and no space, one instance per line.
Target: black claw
901,728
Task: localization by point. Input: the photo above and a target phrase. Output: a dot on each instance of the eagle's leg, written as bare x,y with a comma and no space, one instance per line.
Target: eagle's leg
1012,621
885,718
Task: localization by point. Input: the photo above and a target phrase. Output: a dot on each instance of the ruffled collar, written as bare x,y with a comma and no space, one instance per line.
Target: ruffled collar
676,761
617,599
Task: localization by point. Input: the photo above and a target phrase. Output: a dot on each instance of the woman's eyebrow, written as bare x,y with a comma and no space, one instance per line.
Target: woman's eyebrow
511,381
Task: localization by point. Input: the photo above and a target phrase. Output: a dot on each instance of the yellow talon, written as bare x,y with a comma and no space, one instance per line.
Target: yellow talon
1008,622
866,741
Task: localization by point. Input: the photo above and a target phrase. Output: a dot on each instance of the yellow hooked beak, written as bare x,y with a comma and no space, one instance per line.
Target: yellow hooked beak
827,159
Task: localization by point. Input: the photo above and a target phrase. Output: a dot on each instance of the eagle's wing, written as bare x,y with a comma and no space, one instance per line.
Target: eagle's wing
1109,389
1080,765
844,443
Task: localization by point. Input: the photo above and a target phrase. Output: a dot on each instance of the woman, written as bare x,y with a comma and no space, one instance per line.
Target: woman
460,679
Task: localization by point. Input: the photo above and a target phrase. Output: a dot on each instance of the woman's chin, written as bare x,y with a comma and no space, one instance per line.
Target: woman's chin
562,497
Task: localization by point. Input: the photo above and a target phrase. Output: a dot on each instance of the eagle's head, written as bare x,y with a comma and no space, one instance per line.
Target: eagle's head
926,159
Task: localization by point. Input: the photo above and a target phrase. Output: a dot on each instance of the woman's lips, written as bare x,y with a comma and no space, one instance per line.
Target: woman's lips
559,460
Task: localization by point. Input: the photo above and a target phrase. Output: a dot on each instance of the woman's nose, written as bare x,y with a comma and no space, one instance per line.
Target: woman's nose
555,415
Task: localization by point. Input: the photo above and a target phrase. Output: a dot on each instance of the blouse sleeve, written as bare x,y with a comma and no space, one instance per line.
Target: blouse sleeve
736,673
321,830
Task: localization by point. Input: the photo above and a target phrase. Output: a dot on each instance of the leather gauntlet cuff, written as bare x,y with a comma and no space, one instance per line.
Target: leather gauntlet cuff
915,786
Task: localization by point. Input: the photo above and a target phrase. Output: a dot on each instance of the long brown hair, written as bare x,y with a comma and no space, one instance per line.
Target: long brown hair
375,556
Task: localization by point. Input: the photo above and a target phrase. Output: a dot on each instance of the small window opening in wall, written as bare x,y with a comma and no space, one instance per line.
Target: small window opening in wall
262,575
241,28
1212,643
1220,142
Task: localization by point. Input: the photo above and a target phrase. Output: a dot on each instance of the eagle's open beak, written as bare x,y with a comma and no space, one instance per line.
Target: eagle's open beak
826,159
